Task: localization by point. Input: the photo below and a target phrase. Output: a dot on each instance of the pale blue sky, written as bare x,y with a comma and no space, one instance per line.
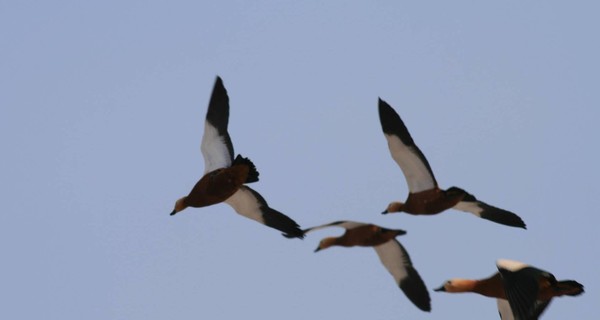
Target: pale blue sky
103,108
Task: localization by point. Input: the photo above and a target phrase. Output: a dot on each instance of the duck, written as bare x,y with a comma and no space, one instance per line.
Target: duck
225,177
522,291
425,197
392,254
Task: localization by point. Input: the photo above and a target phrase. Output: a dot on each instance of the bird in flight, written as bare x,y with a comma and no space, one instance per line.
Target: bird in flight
225,177
391,253
425,197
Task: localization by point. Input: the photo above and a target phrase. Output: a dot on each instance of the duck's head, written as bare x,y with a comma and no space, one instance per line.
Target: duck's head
456,285
179,205
394,207
326,243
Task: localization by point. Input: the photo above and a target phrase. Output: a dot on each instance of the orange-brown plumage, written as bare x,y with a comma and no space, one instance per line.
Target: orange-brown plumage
428,202
366,236
217,186
527,289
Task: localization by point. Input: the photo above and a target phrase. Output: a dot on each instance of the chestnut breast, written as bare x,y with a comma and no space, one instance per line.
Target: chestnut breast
430,202
216,186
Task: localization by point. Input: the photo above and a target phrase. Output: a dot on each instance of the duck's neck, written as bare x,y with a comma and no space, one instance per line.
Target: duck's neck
490,287
465,285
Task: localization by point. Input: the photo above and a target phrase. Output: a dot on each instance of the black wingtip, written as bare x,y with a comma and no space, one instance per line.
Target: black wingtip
219,87
219,82
392,124
218,108
504,217
385,111
513,221
490,212
300,235
415,290
283,223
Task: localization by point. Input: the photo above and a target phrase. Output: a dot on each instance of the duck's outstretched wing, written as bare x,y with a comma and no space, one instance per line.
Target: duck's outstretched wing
251,204
396,260
521,285
483,210
405,152
216,145
346,224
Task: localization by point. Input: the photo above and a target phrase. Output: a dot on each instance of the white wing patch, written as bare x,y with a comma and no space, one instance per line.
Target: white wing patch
415,171
504,309
246,204
510,265
214,149
393,258
469,206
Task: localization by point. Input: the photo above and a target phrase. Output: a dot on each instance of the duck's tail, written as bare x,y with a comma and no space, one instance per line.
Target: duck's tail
252,172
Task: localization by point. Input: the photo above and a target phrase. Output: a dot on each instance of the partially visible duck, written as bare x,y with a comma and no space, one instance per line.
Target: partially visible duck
391,253
224,177
425,197
523,291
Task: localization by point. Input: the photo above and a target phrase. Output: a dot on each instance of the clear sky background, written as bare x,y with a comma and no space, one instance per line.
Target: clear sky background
102,111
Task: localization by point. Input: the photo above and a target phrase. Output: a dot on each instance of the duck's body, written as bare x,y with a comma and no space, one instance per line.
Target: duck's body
429,202
220,184
224,177
391,253
368,235
528,290
425,197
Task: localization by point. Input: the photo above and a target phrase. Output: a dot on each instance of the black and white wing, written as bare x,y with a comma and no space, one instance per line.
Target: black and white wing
216,146
251,204
521,285
396,260
343,224
483,210
506,312
405,152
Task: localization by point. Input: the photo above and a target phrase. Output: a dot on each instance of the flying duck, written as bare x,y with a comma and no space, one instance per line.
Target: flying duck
425,197
225,177
391,253
523,291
